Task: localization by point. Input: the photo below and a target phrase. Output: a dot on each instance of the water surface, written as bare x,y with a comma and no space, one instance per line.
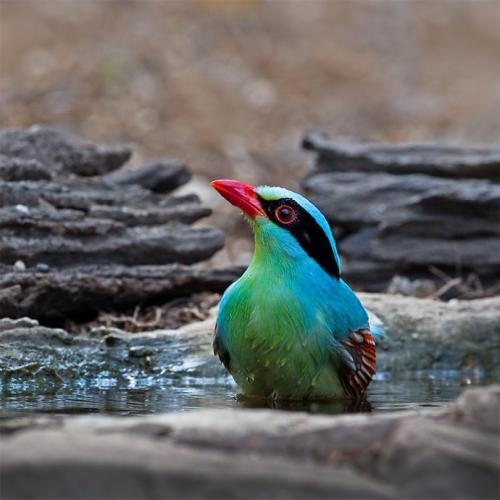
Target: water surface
192,392
146,374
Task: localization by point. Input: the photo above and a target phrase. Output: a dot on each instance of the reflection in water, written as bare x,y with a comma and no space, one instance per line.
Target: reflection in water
329,406
188,393
91,376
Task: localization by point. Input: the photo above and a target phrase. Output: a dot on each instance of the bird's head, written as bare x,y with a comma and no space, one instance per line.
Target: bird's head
284,222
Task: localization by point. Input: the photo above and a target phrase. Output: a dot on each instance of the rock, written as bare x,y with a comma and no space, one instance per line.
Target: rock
422,334
185,211
401,159
431,460
96,242
361,199
12,324
158,177
480,255
55,149
140,351
80,232
109,467
414,288
80,292
480,409
17,169
22,209
36,358
409,209
19,265
268,454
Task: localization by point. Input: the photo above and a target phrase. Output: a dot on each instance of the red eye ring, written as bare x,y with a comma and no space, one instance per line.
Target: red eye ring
285,214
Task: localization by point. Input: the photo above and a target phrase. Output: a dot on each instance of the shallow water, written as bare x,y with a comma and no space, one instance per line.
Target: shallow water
191,392
146,374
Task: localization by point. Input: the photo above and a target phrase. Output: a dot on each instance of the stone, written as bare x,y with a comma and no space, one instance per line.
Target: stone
95,244
480,254
16,169
109,466
415,288
421,212
55,149
12,324
480,408
158,177
438,160
362,198
98,242
425,334
438,460
267,454
80,292
419,335
19,265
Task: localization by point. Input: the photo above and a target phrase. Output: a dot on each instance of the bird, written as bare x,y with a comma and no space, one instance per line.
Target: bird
291,328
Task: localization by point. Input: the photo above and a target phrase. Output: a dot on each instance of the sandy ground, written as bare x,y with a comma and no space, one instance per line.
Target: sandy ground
230,86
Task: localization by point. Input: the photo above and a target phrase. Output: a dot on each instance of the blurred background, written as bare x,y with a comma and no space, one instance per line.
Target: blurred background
230,86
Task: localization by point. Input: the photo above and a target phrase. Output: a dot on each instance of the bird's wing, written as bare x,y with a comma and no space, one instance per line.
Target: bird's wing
357,361
220,350
376,326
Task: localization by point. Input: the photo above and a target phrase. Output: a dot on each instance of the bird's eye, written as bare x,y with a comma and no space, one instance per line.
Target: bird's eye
285,214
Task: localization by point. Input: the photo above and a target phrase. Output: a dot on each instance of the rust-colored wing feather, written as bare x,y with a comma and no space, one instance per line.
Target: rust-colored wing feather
357,361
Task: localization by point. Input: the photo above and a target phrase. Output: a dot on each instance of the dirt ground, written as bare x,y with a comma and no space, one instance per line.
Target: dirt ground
230,86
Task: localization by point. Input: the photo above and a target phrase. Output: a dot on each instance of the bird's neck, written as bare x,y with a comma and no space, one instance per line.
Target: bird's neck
274,252
279,259
280,272
277,254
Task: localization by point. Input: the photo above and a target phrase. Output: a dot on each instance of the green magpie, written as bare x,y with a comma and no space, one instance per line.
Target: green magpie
291,327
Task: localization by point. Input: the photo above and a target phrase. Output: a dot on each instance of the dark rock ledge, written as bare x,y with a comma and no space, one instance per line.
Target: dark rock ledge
421,336
78,236
428,213
452,453
80,293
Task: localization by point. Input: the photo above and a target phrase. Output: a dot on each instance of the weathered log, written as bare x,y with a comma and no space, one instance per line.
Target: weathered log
54,218
400,210
17,169
356,199
182,212
101,242
402,159
79,293
20,217
56,150
481,255
161,177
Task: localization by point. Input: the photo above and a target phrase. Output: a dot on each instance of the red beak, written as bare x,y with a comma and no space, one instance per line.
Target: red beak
240,195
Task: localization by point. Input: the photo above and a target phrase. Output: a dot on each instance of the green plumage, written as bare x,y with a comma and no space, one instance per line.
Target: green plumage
280,325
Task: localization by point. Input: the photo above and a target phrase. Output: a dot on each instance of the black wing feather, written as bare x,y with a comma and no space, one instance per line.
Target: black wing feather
221,351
